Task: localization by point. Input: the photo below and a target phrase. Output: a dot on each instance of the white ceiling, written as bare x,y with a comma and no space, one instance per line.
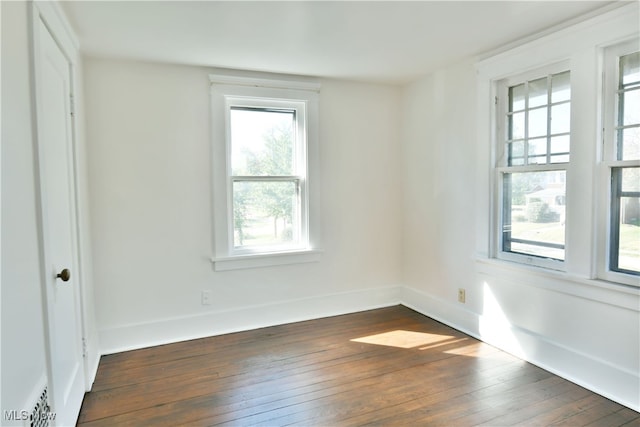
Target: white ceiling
390,42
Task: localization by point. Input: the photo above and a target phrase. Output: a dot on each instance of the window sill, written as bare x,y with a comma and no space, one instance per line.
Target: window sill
239,262
616,294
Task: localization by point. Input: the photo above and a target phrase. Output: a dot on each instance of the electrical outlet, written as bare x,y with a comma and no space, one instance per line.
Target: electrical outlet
206,297
462,295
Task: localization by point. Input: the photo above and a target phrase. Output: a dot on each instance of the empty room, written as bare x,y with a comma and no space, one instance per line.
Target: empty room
320,213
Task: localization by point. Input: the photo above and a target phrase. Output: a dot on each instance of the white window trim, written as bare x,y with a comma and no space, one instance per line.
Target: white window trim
229,90
608,161
582,45
500,164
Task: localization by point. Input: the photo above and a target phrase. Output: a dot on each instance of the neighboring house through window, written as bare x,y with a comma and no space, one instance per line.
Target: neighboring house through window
562,128
532,164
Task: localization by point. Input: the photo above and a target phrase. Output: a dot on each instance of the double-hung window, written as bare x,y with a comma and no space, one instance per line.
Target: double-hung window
265,158
534,127
621,164
267,183
560,117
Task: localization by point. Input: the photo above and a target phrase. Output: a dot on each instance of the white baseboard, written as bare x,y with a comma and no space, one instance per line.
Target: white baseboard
599,376
602,377
164,331
91,369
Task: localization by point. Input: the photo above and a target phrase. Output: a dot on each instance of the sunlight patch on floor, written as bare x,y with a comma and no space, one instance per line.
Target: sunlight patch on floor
404,339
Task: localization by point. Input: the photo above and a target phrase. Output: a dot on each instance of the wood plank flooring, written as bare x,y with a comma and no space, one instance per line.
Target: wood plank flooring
390,366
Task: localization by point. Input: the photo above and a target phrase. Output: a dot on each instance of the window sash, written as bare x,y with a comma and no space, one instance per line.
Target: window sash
519,248
525,136
617,194
299,232
265,104
540,251
609,266
296,136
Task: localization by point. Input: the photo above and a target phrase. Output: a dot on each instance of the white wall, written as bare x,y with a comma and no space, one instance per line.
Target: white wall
405,196
148,133
585,331
23,352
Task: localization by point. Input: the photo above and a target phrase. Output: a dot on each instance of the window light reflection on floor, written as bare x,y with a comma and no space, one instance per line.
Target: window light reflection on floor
408,339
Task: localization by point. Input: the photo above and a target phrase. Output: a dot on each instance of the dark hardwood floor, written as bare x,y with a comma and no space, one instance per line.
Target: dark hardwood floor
390,366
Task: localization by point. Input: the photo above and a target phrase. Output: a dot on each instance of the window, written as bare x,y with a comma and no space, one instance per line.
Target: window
268,176
532,165
558,125
265,153
621,162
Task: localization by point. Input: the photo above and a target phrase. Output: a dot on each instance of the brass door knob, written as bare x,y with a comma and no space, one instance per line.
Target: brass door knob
65,275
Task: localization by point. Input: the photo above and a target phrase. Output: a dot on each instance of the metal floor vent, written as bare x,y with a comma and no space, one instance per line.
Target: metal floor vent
41,413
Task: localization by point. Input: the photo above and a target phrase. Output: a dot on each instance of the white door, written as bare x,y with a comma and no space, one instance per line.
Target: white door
62,292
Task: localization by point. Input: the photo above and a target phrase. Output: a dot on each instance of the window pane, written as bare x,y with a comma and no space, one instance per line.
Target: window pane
630,69
265,213
563,158
516,126
629,238
516,98
630,144
630,107
560,87
534,125
625,220
630,180
560,118
538,151
262,142
537,122
534,213
516,153
560,144
538,92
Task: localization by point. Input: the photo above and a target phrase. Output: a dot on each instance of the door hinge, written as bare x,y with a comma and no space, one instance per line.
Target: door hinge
84,348
495,100
72,105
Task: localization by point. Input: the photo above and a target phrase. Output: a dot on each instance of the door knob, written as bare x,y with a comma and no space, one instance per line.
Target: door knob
65,275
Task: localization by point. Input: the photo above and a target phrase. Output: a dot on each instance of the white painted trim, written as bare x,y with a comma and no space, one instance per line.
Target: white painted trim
581,45
92,363
615,294
170,330
586,20
265,259
221,203
600,376
601,29
270,82
57,23
48,16
607,160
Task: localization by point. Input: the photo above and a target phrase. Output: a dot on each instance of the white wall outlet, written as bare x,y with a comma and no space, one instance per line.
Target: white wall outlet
462,295
206,297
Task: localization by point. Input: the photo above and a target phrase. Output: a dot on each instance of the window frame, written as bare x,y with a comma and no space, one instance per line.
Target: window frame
299,177
302,96
501,167
609,163
582,43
